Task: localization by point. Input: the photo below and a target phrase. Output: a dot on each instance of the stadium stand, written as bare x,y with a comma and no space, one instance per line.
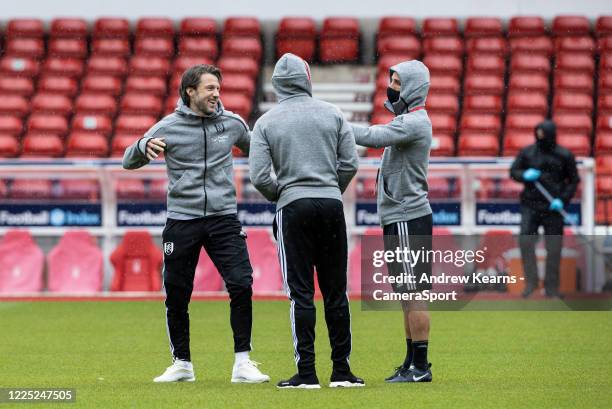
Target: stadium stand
21,263
137,263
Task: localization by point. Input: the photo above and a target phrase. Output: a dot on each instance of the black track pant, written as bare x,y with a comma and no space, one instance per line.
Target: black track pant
225,242
552,222
311,233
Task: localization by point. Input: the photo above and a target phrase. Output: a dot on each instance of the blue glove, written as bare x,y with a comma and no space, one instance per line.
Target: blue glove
556,205
531,175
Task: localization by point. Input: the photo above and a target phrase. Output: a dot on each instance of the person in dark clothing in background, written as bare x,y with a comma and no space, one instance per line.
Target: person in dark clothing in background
555,168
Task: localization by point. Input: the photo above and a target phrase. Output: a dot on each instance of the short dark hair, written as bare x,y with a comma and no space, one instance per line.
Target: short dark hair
191,78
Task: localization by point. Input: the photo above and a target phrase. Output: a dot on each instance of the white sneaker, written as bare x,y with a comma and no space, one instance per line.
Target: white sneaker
246,372
179,371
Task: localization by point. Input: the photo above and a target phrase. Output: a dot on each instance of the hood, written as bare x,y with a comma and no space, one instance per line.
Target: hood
291,77
414,77
550,135
185,110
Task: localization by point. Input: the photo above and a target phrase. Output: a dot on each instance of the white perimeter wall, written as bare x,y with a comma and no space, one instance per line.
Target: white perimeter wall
275,9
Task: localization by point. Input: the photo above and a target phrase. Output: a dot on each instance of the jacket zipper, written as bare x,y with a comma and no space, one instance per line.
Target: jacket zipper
205,165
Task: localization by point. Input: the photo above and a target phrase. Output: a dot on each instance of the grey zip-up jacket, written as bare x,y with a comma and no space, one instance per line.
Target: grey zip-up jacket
402,179
310,145
198,160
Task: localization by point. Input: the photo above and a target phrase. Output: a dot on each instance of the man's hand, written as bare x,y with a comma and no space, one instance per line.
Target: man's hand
154,147
531,175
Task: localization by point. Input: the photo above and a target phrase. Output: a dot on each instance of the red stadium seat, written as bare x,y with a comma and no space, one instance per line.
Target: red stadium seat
112,47
69,67
604,45
444,45
75,264
603,144
40,122
138,124
238,83
487,45
198,27
572,81
527,102
109,27
442,103
570,102
483,84
605,82
31,189
574,122
604,104
533,82
486,64
339,41
524,62
14,85
25,47
483,27
478,144
52,104
87,145
442,145
298,36
58,85
397,26
69,28
78,189
570,26
266,276
242,47
532,45
389,60
42,145
96,104
484,123
442,123
154,27
68,47
440,27
199,47
182,63
605,62
575,62
14,105
17,66
575,45
149,66
302,47
99,124
237,103
105,65
147,85
439,83
444,64
578,143
121,141
21,263
133,103
154,47
137,263
524,121
11,124
524,26
25,28
486,104
128,189
603,26
604,122
409,46
9,147
101,84
239,65
241,27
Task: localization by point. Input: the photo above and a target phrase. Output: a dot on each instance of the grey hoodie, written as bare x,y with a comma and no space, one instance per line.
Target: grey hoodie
402,180
308,142
198,160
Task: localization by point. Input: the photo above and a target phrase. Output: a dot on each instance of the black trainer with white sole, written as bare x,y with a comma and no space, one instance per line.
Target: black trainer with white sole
300,382
345,380
419,375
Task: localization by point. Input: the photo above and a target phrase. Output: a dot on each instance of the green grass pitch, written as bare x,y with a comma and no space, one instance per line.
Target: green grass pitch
110,352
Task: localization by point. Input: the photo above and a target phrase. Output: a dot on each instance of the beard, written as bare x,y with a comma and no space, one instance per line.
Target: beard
202,105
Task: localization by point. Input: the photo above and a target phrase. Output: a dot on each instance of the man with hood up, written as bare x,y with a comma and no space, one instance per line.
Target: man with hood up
312,150
197,140
403,205
555,168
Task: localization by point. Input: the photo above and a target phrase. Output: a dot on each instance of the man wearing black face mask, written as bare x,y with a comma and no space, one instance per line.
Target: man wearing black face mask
555,168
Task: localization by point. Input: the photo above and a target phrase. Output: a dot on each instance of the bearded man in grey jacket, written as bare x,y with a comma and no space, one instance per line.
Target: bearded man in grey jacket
403,205
312,150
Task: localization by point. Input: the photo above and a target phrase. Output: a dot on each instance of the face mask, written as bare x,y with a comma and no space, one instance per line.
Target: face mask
392,95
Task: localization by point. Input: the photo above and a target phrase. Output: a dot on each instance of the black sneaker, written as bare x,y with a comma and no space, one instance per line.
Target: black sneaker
402,374
299,382
419,375
397,372
345,380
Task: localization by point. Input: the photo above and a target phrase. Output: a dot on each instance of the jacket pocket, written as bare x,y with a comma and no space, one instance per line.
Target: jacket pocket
220,189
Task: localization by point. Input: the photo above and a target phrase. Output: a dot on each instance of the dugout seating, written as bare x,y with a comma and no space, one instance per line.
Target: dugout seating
137,263
21,263
75,264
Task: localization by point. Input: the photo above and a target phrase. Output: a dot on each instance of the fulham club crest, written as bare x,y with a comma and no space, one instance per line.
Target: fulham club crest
168,248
